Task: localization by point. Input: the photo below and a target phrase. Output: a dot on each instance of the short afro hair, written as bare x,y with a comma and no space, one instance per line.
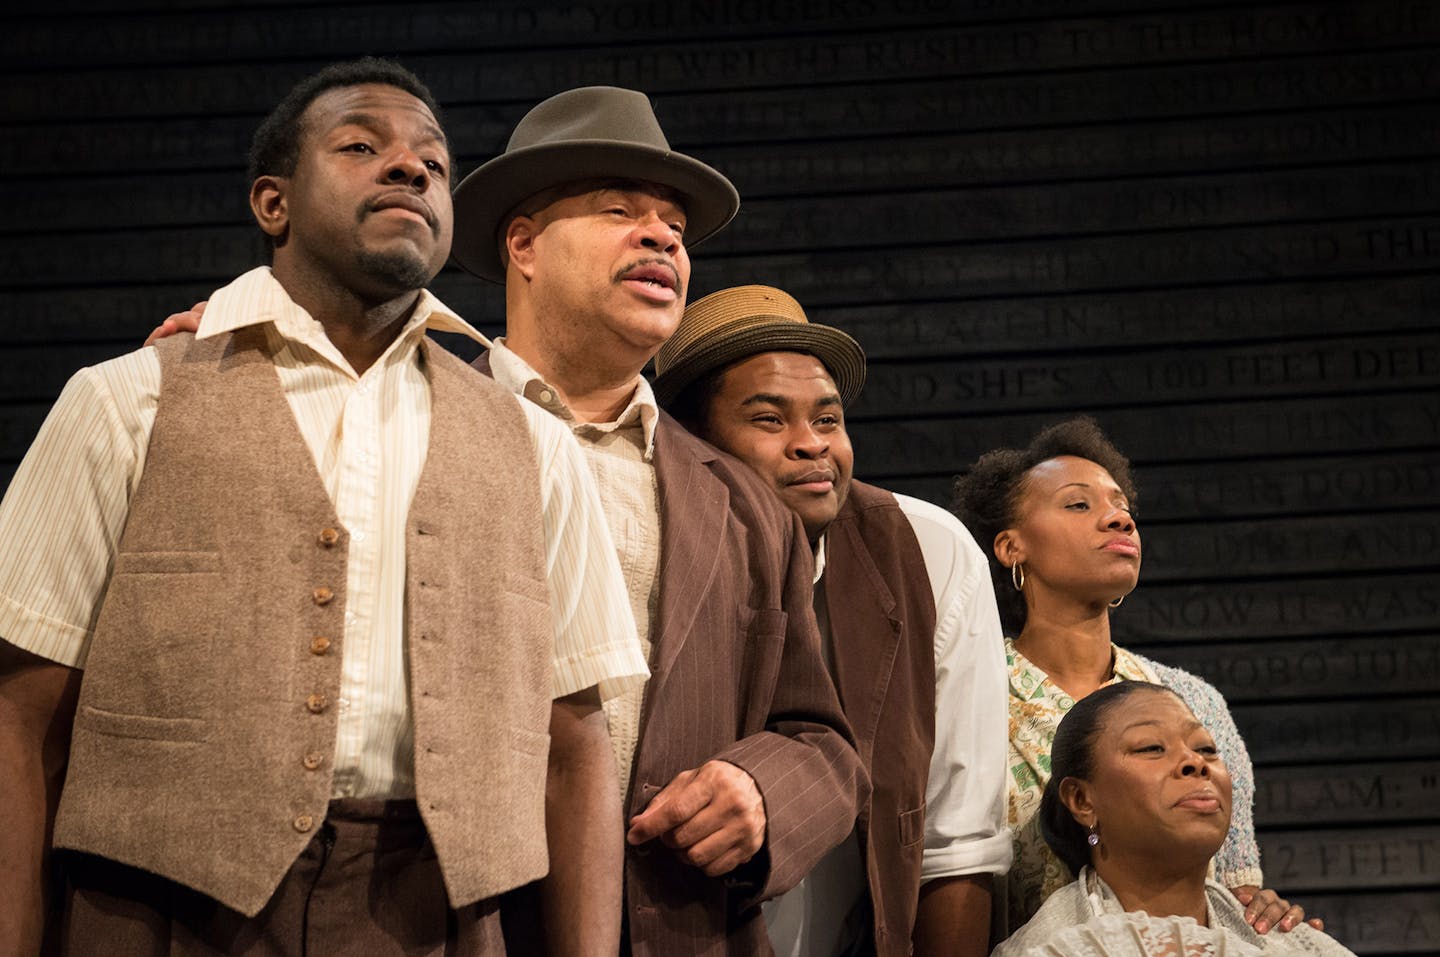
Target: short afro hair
987,497
275,150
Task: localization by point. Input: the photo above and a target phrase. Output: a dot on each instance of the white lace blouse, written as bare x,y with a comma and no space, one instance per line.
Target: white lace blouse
1086,919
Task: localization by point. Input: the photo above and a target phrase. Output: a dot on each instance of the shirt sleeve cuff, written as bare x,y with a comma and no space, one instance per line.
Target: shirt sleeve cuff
984,855
50,639
613,669
1241,877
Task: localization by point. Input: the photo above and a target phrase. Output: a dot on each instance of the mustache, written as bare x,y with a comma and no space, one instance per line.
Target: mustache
660,261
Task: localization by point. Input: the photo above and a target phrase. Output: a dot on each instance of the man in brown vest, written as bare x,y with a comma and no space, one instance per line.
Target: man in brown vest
912,634
345,609
737,763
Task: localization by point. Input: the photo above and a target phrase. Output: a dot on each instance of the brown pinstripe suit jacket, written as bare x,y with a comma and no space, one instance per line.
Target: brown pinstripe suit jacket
737,674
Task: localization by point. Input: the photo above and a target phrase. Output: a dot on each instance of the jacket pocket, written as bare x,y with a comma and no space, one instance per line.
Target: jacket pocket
154,653
763,645
167,563
912,826
116,724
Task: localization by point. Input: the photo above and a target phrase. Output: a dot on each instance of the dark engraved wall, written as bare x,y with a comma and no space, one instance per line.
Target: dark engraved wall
1215,226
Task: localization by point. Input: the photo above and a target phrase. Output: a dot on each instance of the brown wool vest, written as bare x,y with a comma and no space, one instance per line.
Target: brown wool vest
205,735
882,624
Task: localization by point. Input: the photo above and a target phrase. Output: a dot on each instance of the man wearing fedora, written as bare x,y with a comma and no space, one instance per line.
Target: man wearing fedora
910,625
737,763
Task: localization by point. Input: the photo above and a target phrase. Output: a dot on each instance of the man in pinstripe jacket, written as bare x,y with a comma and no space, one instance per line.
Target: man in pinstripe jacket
738,765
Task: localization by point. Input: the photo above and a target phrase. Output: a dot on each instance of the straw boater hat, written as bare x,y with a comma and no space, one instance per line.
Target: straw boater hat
734,324
591,133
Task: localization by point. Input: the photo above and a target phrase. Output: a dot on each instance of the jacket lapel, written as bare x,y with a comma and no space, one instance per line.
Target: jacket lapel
694,506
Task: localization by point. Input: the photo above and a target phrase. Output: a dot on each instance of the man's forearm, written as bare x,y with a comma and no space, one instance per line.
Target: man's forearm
37,707
581,896
954,917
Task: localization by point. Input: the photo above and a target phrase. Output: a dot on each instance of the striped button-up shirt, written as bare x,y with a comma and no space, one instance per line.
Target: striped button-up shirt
621,455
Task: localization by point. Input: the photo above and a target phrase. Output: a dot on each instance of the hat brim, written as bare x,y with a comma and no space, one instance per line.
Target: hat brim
838,352
483,198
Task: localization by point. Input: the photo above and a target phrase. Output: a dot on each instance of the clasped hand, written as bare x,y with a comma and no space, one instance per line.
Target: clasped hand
713,815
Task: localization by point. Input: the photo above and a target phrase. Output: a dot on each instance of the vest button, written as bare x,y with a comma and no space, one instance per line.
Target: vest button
312,760
316,703
329,536
303,823
319,645
323,595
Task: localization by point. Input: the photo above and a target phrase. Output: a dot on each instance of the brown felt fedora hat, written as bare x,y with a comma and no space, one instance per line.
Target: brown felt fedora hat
592,132
743,321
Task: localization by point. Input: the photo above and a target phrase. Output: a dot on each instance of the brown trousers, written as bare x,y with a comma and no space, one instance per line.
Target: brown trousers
368,884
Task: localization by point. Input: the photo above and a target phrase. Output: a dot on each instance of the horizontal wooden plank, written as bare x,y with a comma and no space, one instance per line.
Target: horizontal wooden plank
1403,922
155,146
1248,488
1290,546
34,375
182,255
693,111
421,28
1277,671
1278,608
18,424
1347,793
1010,212
1289,486
1221,255
1348,858
636,14
1196,432
853,162
1181,374
1189,314
884,105
1368,729
1011,155
136,200
816,222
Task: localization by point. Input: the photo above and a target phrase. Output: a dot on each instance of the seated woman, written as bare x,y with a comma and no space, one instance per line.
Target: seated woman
1138,803
1058,517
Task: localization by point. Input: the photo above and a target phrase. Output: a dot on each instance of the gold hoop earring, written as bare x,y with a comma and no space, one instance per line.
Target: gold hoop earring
1117,601
1017,576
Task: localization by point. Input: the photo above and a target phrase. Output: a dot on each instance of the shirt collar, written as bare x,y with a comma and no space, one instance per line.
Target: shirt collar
257,297
517,375
820,558
1028,682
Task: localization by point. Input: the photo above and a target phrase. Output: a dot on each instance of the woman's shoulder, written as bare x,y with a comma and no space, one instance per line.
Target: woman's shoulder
1228,913
1065,908
1197,692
